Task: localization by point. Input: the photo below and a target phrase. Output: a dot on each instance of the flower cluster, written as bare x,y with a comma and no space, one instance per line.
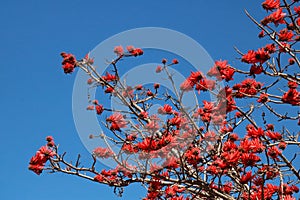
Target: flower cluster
199,81
221,70
132,51
292,96
38,161
69,62
247,87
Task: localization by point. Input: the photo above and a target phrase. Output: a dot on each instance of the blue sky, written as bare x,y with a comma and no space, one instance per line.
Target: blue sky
37,97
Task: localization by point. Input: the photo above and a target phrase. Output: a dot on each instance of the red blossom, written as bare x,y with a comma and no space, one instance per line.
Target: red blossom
158,69
222,70
109,90
292,84
249,57
274,152
291,61
263,98
99,109
175,61
247,87
69,62
134,51
102,152
139,87
285,35
38,161
90,81
274,135
119,50
261,34
246,177
166,109
271,48
117,121
262,55
271,4
292,96
297,10
249,159
109,77
277,17
284,47
256,69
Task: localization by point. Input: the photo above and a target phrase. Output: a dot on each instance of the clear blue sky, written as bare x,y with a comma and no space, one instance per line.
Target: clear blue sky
36,96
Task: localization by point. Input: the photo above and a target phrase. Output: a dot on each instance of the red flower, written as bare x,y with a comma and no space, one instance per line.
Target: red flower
117,121
109,90
285,35
175,61
137,52
221,70
195,77
149,93
90,81
49,138
102,152
297,10
249,57
134,51
271,48
282,145
99,178
285,46
261,34
292,85
229,145
69,62
99,109
205,84
129,148
246,177
256,146
187,85
139,87
38,161
249,159
164,61
262,55
274,135
271,4
248,86
119,50
167,109
158,69
254,132
148,144
238,114
109,77
143,115
291,61
273,152
171,163
292,96
277,17
270,127
256,69
263,98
